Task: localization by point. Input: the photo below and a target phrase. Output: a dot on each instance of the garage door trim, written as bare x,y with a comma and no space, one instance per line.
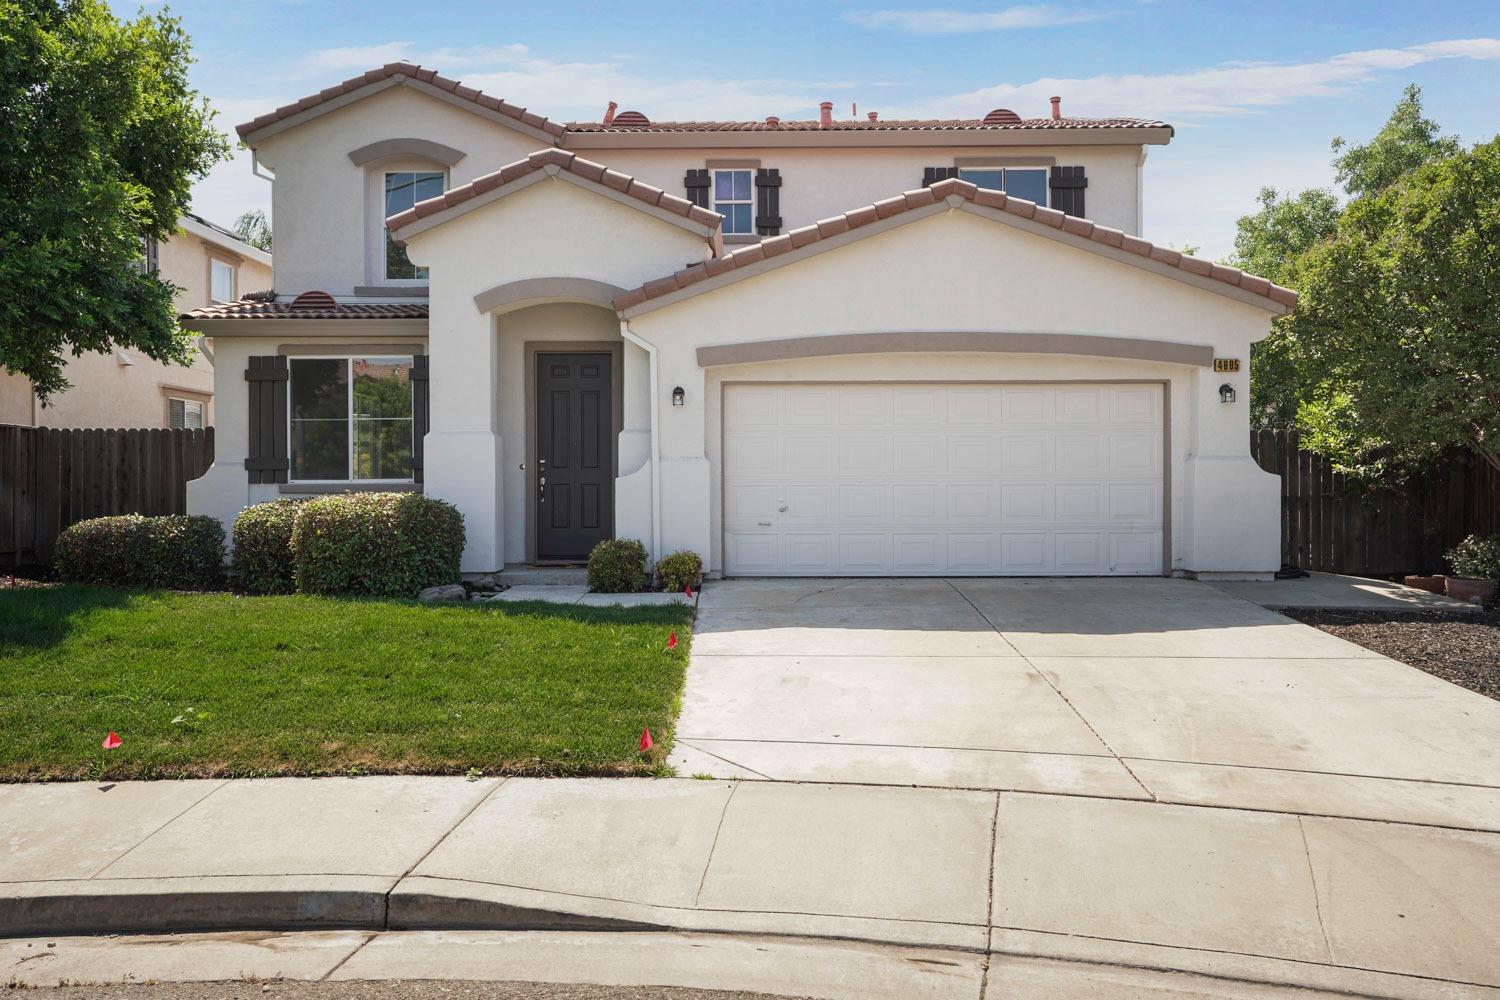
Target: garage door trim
1166,436
989,342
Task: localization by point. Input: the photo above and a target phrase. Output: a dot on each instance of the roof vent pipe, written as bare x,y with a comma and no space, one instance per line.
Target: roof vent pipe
825,118
874,117
1057,109
609,112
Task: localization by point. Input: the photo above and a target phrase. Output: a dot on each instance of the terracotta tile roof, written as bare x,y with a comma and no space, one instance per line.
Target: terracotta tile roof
1083,229
561,159
894,125
411,71
246,309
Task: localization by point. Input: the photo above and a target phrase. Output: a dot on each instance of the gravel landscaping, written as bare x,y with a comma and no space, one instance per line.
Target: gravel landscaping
1462,647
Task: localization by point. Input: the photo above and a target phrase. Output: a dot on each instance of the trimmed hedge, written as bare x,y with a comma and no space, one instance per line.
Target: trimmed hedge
378,544
263,561
177,551
617,566
679,570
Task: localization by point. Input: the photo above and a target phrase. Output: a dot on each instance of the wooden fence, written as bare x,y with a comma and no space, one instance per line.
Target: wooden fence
1334,525
50,478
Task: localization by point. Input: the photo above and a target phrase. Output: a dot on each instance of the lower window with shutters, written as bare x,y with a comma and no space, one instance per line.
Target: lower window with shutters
350,419
184,413
1018,182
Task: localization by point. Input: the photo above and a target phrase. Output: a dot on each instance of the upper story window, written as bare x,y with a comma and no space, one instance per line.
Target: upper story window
351,419
733,199
220,280
1022,182
403,189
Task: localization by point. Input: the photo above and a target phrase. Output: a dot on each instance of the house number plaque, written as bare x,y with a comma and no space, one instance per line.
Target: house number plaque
1226,364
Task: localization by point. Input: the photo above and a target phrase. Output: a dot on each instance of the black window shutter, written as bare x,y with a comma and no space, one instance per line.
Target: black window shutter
768,202
1068,184
421,413
267,456
931,175
696,182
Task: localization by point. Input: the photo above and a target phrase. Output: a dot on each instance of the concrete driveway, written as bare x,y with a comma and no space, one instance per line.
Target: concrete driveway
1157,689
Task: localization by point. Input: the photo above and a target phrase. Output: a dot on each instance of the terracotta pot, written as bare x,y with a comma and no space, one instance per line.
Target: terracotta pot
1431,584
1463,588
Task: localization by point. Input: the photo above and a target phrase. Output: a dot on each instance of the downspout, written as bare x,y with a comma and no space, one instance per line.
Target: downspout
650,350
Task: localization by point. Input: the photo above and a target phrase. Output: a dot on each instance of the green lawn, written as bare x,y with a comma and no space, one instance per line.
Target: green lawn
304,685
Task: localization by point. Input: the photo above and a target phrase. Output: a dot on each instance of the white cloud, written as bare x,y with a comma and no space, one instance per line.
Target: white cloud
1227,89
940,21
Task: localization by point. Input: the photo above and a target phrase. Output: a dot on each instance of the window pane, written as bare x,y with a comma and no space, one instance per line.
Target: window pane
723,185
400,192
1028,184
382,448
427,185
320,418
742,185
382,387
738,218
221,281
193,416
983,178
397,264
175,413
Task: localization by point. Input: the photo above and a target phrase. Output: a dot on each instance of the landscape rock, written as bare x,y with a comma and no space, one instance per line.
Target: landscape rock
445,592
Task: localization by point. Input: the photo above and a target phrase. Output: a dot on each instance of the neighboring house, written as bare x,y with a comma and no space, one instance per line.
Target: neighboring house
797,347
124,388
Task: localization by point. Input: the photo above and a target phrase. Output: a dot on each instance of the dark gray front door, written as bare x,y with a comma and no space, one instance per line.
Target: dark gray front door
575,477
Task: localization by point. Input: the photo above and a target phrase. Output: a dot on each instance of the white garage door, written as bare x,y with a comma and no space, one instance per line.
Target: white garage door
869,479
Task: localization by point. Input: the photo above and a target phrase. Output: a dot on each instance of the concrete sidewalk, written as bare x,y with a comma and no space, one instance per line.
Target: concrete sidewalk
1371,908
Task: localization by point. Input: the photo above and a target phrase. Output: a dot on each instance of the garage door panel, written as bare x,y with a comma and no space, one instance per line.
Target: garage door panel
1025,479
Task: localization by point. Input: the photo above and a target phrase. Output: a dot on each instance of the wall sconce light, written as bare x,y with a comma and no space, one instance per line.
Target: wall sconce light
679,396
1226,393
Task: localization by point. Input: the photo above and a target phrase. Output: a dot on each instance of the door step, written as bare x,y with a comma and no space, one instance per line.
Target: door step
521,575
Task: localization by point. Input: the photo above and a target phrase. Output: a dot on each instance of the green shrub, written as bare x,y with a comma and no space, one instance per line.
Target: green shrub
379,544
263,562
1477,557
177,551
617,566
678,570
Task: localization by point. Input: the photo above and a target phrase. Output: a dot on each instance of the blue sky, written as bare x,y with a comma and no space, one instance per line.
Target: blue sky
1256,90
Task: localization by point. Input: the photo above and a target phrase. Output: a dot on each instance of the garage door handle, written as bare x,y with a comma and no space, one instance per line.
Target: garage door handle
763,524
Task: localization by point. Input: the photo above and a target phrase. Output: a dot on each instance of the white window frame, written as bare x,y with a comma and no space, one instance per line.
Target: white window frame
716,201
384,236
348,360
186,404
214,263
989,168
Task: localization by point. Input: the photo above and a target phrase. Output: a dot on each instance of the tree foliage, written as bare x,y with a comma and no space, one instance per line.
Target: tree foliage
253,228
1400,316
1405,142
103,138
1275,241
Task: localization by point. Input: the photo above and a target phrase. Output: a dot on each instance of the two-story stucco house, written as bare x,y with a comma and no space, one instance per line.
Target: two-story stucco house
123,388
824,347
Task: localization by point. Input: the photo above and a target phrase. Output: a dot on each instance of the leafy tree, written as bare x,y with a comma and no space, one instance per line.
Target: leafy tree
1400,312
1405,142
1273,241
253,228
103,139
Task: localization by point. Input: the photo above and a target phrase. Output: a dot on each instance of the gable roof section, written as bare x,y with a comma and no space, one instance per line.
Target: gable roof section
953,193
879,125
392,75
565,166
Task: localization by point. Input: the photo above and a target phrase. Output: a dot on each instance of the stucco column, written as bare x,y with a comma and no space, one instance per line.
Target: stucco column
225,489
1233,512
684,456
464,452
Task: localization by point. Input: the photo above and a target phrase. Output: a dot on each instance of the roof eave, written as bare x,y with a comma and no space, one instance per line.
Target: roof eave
856,138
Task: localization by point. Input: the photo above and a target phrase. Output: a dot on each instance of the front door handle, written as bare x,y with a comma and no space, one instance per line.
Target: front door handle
541,489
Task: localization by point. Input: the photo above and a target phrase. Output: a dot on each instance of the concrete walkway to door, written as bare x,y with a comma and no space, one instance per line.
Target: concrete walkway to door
1155,689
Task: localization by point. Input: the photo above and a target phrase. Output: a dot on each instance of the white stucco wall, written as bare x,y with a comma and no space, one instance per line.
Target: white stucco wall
477,444
956,272
327,212
818,183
